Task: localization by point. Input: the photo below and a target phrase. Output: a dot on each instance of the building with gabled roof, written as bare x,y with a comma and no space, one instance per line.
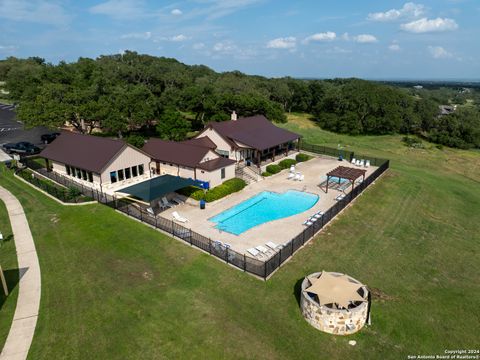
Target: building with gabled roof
97,162
253,138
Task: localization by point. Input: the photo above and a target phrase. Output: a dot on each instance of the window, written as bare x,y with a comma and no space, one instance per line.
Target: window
127,173
67,168
84,175
224,153
120,175
222,173
113,177
134,171
140,169
90,176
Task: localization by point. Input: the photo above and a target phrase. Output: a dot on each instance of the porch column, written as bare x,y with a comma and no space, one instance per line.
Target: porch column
258,158
298,144
273,155
328,178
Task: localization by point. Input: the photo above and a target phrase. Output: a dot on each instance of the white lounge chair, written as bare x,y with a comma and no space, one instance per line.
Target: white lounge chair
272,245
340,197
367,163
297,176
307,222
362,163
359,163
150,211
177,200
253,252
292,169
166,203
354,161
179,218
291,176
318,215
301,178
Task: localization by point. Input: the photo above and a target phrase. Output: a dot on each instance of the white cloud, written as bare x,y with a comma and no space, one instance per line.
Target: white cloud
41,12
199,46
120,9
365,39
425,25
179,38
394,47
225,47
144,36
439,52
409,10
282,43
176,12
338,50
319,37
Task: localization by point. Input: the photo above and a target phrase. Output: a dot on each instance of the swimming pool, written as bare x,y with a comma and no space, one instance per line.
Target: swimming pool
263,207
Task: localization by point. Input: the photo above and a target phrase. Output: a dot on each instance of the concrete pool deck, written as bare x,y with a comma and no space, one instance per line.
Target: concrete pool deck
278,231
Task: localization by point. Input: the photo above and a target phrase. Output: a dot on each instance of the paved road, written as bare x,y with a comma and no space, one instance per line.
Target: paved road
24,321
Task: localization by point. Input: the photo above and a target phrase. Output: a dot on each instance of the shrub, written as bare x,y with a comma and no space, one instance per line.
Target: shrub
302,157
266,174
228,187
73,193
192,192
412,142
287,163
218,192
274,169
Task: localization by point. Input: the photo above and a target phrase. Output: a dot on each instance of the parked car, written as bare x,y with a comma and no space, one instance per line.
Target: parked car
22,147
48,138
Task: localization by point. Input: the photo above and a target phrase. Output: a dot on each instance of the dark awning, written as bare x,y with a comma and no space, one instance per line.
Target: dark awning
157,187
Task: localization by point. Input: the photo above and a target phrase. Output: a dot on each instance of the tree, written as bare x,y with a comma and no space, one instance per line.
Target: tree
173,126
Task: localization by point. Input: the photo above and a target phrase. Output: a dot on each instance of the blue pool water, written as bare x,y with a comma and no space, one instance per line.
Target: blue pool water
335,179
264,207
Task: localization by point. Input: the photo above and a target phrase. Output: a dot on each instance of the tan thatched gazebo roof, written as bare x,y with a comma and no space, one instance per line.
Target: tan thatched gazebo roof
338,290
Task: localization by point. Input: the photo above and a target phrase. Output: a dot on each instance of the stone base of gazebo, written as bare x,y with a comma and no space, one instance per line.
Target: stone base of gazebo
332,321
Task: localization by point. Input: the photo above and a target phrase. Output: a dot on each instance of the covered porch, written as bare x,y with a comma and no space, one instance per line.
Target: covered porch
261,157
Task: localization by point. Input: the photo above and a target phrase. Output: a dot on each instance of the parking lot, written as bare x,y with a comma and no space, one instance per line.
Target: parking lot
12,130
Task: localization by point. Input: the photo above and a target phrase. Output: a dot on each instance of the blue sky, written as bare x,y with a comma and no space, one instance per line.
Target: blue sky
431,39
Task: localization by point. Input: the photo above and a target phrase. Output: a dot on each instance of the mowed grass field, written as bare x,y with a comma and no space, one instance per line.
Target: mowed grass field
113,288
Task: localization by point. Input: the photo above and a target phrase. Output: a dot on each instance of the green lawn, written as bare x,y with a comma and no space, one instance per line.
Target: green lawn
8,261
113,288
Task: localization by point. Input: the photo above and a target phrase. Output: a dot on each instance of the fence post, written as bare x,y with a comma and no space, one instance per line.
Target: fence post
265,271
156,223
210,246
244,262
173,229
226,255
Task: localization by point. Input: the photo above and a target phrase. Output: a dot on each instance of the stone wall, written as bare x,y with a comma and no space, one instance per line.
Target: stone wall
333,321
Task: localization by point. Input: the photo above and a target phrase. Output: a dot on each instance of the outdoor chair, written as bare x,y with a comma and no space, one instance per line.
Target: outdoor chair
367,163
263,250
307,222
362,163
301,178
358,163
318,215
297,176
150,211
340,197
291,176
166,203
354,161
179,218
292,169
272,246
254,252
177,200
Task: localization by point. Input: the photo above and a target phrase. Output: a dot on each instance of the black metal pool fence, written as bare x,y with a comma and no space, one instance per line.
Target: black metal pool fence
260,268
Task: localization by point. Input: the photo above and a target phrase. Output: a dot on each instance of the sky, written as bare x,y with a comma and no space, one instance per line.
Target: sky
372,39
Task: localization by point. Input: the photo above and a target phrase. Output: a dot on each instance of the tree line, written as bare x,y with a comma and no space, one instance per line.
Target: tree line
133,92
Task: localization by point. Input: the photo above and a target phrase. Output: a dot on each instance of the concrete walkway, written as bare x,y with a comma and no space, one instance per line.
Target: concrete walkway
25,318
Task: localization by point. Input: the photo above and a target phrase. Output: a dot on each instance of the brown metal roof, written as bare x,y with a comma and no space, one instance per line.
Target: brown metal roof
203,141
178,153
254,131
349,173
86,152
215,164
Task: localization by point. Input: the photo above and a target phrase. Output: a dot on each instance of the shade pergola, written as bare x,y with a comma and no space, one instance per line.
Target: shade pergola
343,172
338,290
156,187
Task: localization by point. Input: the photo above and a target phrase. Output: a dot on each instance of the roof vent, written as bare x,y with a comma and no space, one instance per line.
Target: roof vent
233,117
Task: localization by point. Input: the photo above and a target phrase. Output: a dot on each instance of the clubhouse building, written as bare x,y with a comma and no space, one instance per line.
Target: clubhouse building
209,159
